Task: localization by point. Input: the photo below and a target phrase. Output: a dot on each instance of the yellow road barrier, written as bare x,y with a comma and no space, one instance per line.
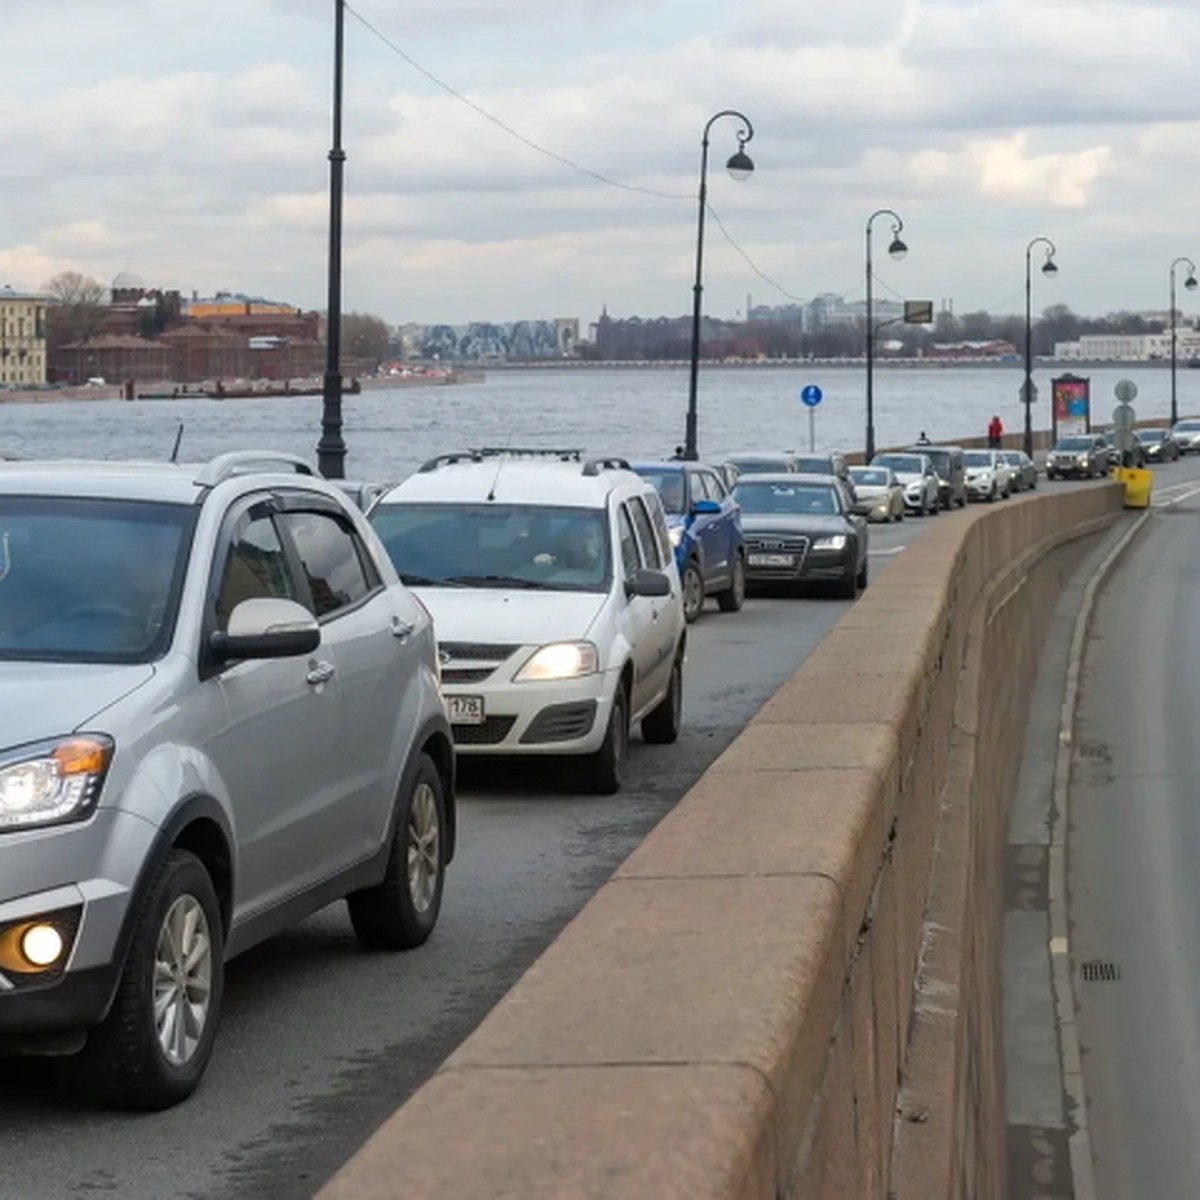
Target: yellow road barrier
1137,483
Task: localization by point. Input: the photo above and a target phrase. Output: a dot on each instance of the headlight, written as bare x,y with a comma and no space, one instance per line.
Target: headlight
53,781
836,542
675,533
560,660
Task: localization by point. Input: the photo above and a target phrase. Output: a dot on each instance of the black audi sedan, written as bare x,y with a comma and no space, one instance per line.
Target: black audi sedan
803,529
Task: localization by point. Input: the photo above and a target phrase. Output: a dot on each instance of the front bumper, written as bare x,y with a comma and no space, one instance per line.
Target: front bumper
980,488
89,870
1071,466
809,566
561,717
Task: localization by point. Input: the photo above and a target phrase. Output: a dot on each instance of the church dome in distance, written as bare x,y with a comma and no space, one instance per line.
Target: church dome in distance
127,279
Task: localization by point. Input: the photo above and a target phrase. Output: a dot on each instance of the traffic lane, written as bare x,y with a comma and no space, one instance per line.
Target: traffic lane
1133,843
320,1042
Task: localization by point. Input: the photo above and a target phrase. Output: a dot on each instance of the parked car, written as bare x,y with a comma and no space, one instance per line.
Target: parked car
1084,455
880,494
989,477
363,494
558,605
802,529
221,713
1158,445
1023,468
1187,434
917,474
759,464
705,528
951,473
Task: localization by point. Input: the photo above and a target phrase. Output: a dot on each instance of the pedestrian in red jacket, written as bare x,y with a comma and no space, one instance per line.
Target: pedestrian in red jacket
995,433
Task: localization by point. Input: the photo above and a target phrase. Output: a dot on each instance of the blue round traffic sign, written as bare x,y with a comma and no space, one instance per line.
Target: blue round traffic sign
811,395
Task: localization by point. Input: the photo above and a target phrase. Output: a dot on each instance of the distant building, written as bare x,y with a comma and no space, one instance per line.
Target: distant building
1129,347
972,349
483,341
116,358
22,338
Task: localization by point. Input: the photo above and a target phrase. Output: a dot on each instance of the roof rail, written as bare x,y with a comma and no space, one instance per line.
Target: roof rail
612,462
446,460
247,462
478,453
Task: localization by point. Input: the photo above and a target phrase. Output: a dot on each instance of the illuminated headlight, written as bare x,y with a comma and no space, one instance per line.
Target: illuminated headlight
42,945
560,660
836,542
53,781
675,533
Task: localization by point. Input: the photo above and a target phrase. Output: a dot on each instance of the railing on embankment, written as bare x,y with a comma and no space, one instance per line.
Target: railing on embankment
791,988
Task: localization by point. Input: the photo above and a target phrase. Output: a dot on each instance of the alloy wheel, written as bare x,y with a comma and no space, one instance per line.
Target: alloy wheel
183,974
424,848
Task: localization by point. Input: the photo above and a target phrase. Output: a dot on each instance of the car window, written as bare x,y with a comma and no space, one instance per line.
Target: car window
700,486
331,558
630,557
645,532
670,485
777,497
908,463
660,527
255,568
869,476
716,489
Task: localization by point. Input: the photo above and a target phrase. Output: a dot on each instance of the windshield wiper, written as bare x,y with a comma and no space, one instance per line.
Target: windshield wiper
512,581
411,580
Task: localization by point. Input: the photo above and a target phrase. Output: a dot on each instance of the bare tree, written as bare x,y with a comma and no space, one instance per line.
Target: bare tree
78,308
365,340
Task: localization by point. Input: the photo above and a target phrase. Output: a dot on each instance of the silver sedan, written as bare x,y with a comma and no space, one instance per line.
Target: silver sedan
880,493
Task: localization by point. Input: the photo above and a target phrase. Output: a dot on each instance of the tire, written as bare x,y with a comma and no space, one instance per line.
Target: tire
400,912
125,1063
601,773
734,596
847,589
991,499
693,591
660,726
864,575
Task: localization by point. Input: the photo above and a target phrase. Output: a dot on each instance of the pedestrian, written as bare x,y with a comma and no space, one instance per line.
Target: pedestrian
923,440
995,433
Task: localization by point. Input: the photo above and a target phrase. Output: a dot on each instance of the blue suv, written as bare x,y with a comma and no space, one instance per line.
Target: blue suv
705,525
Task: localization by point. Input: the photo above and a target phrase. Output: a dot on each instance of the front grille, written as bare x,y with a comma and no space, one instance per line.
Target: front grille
466,674
561,723
776,545
490,732
477,651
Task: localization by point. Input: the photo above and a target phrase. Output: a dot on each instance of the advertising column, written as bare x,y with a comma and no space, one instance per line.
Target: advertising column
1071,406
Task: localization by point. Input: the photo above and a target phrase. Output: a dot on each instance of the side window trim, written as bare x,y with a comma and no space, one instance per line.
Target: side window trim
651,558
625,525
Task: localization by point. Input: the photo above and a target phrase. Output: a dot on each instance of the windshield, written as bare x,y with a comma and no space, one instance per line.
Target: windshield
1150,435
814,466
939,458
89,580
869,476
761,466
1187,426
977,458
670,486
1074,443
910,464
497,545
787,498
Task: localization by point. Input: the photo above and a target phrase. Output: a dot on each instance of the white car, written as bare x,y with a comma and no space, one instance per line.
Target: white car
989,477
555,598
919,478
1187,434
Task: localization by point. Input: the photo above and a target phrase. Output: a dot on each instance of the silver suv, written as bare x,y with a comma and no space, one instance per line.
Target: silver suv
221,712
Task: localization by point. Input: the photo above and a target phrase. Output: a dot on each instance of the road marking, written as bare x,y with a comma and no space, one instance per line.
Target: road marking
888,552
1162,500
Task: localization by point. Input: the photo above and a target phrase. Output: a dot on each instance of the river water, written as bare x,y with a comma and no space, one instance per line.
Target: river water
638,412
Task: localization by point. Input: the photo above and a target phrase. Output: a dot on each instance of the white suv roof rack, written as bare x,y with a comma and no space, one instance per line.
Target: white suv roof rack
247,462
590,466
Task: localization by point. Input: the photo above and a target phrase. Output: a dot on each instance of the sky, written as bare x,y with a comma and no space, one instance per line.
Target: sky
187,143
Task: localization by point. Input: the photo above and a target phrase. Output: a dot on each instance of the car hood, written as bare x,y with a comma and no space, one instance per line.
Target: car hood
871,491
801,524
45,700
518,616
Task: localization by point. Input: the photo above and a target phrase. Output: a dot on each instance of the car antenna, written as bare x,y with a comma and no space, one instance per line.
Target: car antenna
495,479
178,439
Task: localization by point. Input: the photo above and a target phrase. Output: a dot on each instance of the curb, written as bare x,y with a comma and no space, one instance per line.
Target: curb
1080,1142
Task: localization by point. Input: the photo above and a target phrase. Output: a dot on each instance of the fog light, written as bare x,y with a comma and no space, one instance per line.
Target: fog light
41,946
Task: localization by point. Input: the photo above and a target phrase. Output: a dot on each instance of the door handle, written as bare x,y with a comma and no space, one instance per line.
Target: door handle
319,673
402,629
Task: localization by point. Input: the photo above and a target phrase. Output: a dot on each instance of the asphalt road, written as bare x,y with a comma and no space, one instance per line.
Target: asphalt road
1133,845
320,1042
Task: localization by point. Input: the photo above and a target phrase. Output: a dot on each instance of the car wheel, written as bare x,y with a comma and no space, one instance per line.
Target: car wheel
863,575
847,588
662,723
734,596
401,910
991,496
693,592
151,1050
601,773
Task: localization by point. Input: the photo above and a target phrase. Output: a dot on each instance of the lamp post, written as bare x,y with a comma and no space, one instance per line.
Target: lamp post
1048,268
897,250
739,166
331,449
1190,284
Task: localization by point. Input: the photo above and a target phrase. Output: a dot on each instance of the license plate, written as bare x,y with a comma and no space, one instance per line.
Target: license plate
465,710
772,560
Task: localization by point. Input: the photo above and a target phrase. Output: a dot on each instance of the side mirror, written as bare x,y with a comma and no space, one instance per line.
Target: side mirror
648,583
706,508
267,628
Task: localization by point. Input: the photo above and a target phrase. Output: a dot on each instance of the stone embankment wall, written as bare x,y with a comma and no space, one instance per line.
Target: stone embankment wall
791,988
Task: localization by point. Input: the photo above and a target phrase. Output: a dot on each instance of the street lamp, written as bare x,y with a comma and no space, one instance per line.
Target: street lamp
331,449
740,167
1190,284
897,250
1048,268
